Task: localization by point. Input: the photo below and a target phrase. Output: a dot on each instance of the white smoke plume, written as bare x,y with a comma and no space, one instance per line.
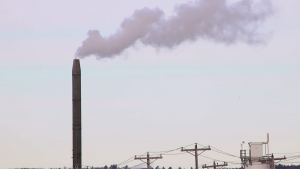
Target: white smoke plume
216,20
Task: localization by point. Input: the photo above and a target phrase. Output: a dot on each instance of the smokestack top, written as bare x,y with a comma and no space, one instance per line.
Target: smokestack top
76,67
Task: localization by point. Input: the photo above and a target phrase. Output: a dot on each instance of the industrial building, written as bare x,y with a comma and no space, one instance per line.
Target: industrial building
258,156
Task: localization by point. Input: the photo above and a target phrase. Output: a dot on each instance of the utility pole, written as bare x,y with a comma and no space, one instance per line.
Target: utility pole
195,152
148,158
273,159
214,165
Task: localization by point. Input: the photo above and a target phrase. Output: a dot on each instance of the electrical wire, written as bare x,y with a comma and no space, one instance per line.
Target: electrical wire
175,154
289,159
287,153
157,153
222,152
136,165
163,152
219,151
213,149
232,162
210,162
210,158
292,156
127,161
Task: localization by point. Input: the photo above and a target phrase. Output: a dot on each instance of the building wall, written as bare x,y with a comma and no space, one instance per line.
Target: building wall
256,150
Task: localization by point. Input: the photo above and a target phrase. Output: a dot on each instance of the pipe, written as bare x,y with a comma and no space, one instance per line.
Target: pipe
76,103
268,142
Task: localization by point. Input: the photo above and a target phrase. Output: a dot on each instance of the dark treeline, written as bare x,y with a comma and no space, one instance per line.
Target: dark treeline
279,166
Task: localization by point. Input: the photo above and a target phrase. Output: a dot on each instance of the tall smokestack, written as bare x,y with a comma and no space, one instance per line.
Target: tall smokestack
76,94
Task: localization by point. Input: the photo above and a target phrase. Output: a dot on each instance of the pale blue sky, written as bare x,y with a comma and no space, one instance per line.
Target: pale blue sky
144,100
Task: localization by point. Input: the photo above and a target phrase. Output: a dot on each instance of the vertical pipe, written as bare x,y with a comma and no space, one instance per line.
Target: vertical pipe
148,161
76,103
196,156
268,143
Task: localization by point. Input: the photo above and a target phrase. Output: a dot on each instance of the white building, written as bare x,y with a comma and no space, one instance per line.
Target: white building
258,156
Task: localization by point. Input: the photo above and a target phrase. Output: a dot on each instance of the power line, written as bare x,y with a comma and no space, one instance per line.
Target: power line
195,151
233,162
168,151
125,162
213,149
160,152
175,154
210,158
287,153
136,165
148,158
293,156
222,152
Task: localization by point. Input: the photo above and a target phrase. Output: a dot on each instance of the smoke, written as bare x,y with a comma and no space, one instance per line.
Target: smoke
215,20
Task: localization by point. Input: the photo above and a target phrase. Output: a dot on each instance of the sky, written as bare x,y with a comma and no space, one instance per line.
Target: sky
144,99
